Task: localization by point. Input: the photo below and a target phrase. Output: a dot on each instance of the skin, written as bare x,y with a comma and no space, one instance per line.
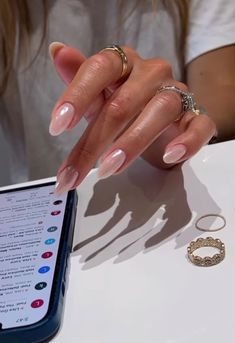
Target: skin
127,113
211,77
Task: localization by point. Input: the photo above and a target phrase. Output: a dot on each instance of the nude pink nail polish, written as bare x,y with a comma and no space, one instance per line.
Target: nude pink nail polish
111,163
174,153
61,119
66,180
54,47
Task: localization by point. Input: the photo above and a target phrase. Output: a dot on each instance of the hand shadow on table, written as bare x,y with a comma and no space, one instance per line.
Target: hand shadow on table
152,209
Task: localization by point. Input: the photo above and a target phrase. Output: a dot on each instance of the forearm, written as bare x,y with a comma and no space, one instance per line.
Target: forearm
211,78
219,103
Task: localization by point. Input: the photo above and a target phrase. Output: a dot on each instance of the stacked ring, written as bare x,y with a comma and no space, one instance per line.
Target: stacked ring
118,50
201,228
187,99
206,242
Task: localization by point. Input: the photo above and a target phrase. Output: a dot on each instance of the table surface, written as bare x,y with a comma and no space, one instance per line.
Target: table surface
129,278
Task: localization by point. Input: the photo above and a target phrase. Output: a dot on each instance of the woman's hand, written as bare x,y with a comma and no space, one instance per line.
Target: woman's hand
127,116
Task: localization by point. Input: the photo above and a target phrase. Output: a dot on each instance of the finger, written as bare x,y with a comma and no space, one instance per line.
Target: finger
157,115
173,140
67,61
200,129
118,111
93,76
99,135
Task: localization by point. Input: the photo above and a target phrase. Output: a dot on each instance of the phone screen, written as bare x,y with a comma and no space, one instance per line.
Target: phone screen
31,221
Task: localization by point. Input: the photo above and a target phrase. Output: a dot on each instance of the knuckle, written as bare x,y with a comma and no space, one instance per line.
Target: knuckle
140,138
170,101
99,62
117,110
162,67
195,136
165,65
87,154
80,91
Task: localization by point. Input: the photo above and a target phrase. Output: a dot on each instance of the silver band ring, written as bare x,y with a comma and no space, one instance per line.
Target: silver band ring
118,50
188,102
207,216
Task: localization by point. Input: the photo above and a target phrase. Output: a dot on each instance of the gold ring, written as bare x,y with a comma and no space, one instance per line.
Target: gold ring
206,242
118,50
210,215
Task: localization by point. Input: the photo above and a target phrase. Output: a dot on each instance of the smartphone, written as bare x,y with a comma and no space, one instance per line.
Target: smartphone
36,232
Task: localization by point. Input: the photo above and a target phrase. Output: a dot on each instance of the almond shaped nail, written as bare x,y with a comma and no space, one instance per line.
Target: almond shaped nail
174,153
53,48
61,119
66,180
111,163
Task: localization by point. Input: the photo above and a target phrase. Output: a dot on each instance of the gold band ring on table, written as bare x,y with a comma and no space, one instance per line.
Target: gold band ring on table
206,261
118,50
197,225
187,99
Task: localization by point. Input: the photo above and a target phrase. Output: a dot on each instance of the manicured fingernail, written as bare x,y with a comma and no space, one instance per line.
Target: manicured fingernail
174,153
66,180
111,163
61,119
53,48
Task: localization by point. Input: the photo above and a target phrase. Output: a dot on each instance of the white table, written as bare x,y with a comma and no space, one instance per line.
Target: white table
140,287
130,280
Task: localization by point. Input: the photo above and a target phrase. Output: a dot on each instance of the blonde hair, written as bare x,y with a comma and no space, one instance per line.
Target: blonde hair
15,24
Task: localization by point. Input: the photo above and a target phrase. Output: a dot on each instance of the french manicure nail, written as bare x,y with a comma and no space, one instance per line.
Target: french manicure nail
66,180
111,163
174,153
53,48
61,119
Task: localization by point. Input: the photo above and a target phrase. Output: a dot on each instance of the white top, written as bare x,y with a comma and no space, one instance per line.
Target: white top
90,25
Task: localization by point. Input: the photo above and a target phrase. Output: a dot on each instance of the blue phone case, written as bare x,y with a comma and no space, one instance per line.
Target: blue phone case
46,328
